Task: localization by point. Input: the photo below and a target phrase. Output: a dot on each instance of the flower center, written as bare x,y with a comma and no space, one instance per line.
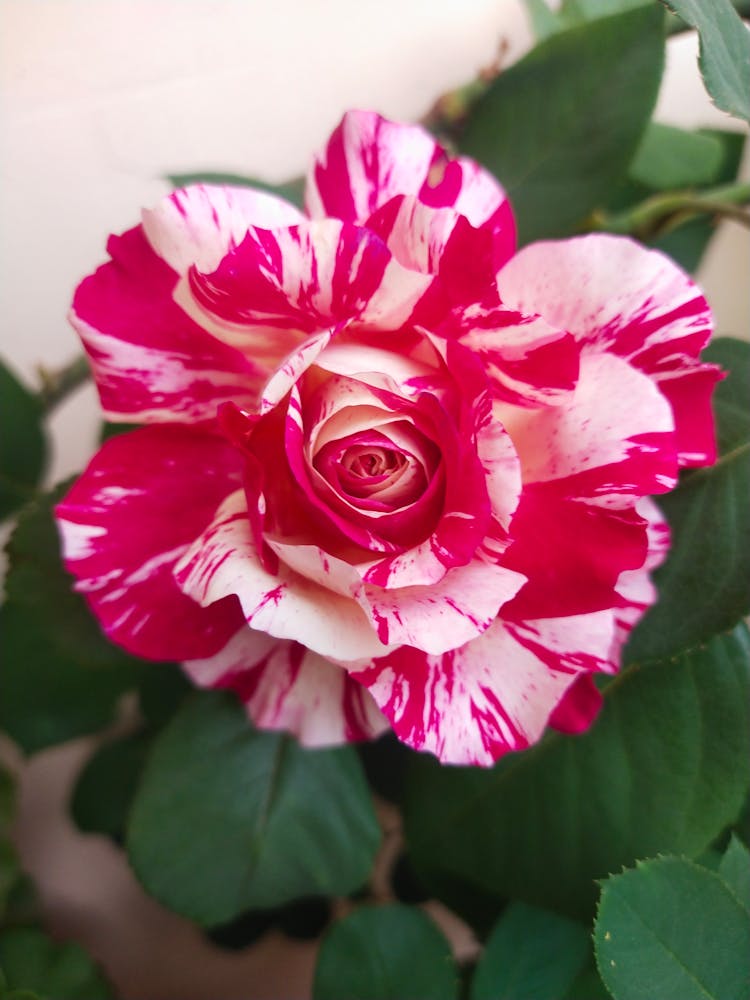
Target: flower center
372,466
367,470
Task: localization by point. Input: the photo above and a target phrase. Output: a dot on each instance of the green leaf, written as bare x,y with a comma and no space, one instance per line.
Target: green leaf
572,13
665,768
724,51
687,243
734,869
671,157
23,444
378,953
292,190
46,696
543,21
105,787
732,397
672,930
588,986
531,953
9,868
560,127
38,583
161,690
269,822
34,962
577,11
703,586
109,430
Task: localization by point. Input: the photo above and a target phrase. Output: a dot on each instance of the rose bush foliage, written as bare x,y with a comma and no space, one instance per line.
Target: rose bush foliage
393,473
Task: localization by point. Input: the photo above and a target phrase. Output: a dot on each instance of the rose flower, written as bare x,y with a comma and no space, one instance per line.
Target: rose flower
393,473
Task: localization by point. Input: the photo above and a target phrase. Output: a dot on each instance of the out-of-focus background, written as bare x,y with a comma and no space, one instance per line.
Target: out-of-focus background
99,99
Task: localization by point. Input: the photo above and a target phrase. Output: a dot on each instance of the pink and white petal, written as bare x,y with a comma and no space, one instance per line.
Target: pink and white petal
689,393
286,687
314,564
415,233
224,561
144,498
402,361
292,368
445,614
198,225
529,362
578,707
501,464
441,241
573,553
615,295
151,362
285,284
369,160
493,695
613,440
635,587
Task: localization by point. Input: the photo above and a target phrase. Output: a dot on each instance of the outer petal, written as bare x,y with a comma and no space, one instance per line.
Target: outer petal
142,501
493,695
529,362
442,241
369,160
614,438
151,362
224,561
282,285
616,296
285,686
199,224
446,614
635,586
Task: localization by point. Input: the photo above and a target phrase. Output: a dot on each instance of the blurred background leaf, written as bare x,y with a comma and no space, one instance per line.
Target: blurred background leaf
378,953
269,821
531,953
23,442
560,126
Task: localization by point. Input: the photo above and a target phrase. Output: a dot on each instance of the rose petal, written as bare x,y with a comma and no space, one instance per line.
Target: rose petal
572,553
151,362
635,586
614,440
491,696
578,707
615,295
529,362
131,516
197,225
285,686
447,613
224,560
369,160
279,286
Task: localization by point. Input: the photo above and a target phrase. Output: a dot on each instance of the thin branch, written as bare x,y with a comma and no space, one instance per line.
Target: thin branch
58,384
662,212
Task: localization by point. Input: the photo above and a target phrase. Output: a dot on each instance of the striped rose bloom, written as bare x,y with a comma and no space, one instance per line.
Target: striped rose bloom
392,472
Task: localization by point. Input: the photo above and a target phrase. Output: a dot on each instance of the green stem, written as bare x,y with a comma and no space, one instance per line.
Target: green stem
57,385
662,212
